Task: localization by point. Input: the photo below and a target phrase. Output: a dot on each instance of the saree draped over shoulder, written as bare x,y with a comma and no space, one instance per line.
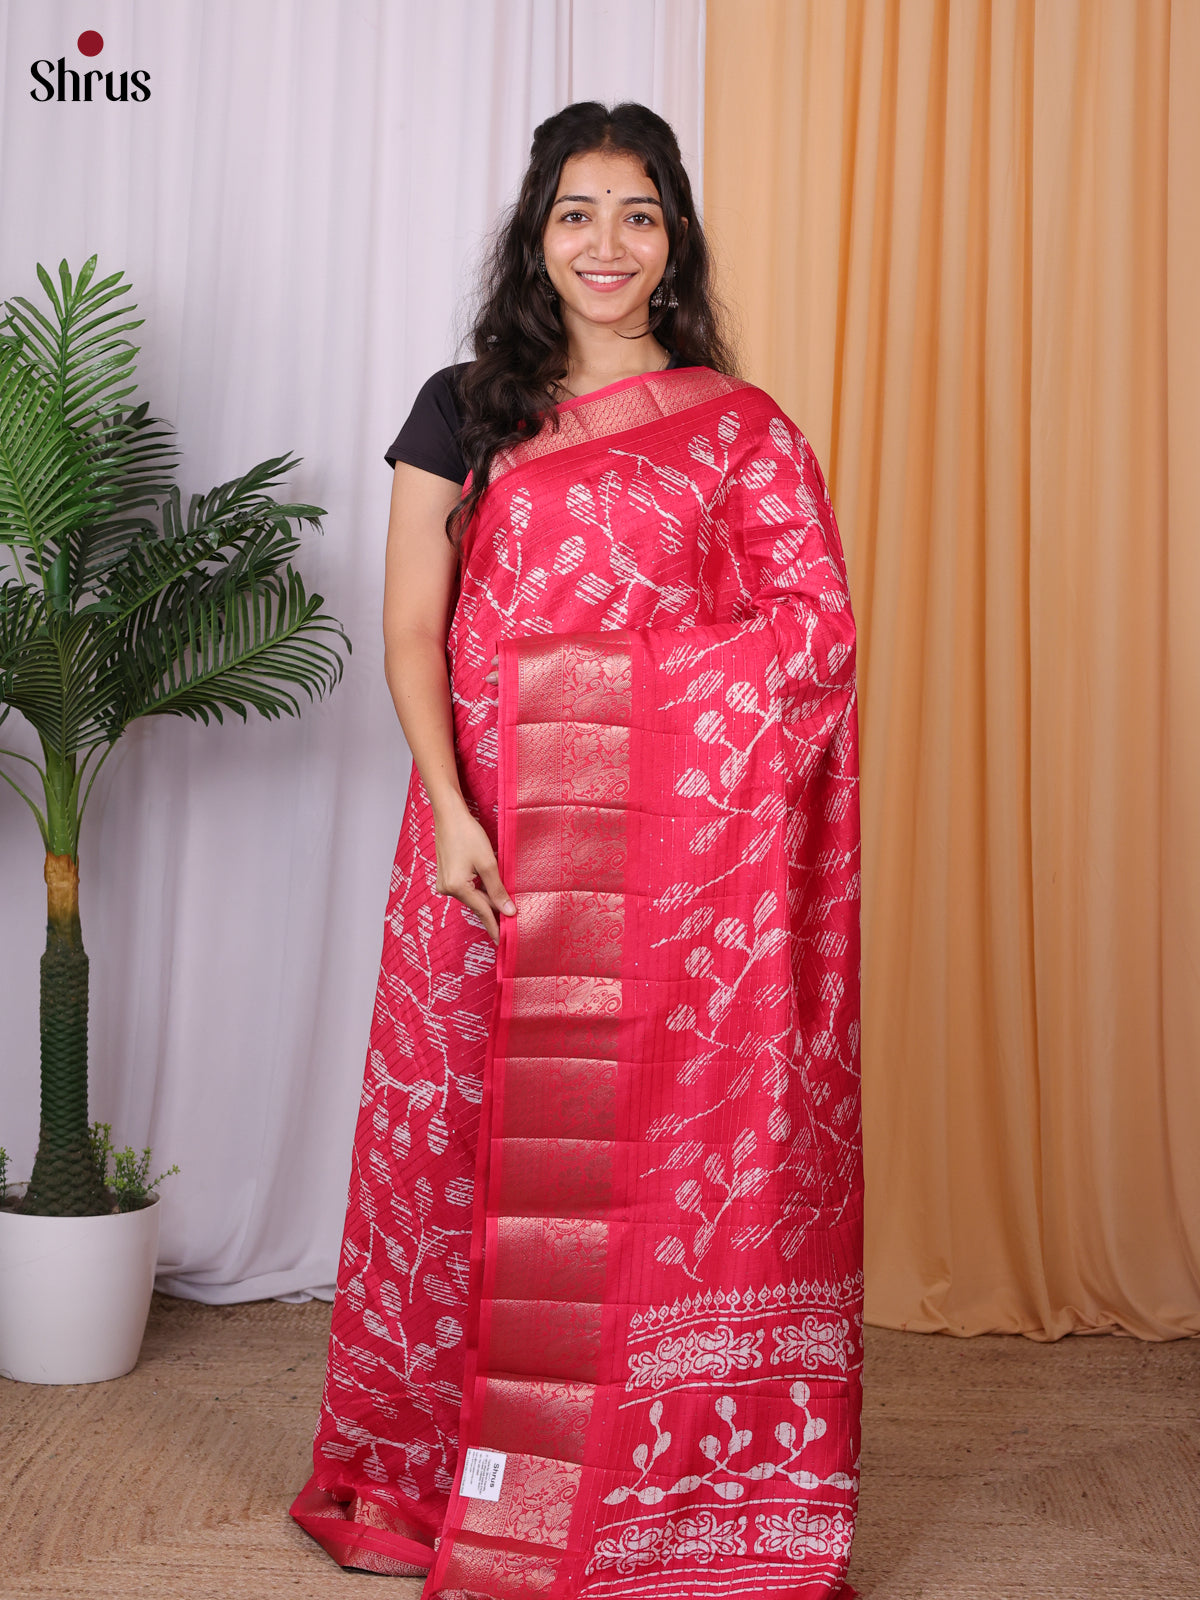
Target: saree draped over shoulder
598,1324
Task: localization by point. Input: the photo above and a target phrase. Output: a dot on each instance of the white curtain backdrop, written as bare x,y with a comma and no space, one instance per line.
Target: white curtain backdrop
299,205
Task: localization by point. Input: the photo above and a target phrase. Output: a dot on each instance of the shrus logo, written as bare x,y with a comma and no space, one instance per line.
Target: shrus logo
51,77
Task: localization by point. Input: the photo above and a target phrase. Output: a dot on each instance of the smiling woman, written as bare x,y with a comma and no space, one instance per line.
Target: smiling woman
605,195
598,1322
605,239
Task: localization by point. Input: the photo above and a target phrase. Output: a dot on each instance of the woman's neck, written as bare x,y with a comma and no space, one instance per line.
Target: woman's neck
597,357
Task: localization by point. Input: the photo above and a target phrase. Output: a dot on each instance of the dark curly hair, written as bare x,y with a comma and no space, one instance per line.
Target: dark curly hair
520,344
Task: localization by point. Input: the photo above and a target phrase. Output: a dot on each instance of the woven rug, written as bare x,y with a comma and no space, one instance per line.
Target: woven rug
993,1469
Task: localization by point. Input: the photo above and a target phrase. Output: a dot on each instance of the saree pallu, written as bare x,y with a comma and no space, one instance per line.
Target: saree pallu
598,1324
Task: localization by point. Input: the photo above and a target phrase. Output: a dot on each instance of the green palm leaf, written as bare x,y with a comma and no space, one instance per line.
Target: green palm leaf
22,619
234,530
222,643
81,349
46,479
231,506
61,678
87,364
133,458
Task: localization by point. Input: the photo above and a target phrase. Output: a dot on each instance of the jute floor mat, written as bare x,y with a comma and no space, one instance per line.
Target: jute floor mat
993,1469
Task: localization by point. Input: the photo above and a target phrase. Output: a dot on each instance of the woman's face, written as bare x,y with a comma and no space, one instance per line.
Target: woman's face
605,243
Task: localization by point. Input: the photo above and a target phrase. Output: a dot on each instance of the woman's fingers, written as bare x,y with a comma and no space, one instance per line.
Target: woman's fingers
475,900
464,853
496,892
487,903
493,677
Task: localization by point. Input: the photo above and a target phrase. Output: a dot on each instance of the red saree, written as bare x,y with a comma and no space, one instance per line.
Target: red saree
598,1324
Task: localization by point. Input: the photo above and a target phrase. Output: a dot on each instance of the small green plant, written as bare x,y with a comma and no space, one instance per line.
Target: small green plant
123,1172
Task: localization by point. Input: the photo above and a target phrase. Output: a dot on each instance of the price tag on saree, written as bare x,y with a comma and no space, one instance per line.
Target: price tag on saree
482,1475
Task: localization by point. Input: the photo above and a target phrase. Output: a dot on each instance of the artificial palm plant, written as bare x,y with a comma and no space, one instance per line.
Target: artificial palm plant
118,603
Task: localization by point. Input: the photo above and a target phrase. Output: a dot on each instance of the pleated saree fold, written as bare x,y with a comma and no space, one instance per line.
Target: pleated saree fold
598,1329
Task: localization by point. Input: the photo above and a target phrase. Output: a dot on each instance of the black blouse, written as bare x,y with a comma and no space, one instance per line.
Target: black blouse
429,439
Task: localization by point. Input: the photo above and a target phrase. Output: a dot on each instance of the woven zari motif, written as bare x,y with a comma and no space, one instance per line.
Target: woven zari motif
605,1208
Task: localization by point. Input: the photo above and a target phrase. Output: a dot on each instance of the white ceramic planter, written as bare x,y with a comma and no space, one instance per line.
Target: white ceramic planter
75,1294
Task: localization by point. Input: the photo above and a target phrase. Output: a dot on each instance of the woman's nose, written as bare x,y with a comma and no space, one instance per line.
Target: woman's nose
606,245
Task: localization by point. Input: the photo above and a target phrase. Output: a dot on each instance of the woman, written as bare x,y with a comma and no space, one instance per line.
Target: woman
598,1323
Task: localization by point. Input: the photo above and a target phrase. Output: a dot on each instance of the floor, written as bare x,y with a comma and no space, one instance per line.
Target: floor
992,1468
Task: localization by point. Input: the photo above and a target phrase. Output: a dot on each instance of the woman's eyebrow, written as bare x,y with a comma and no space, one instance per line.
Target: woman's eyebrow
630,200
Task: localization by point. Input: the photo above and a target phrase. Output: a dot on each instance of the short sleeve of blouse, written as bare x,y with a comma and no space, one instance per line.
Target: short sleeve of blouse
429,438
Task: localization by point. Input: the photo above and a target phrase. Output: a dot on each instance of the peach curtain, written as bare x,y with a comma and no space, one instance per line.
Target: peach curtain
964,241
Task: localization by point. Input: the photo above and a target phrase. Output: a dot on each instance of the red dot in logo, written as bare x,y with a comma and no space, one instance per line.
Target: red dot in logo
90,43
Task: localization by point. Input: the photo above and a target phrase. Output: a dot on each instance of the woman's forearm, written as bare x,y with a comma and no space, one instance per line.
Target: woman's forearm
415,666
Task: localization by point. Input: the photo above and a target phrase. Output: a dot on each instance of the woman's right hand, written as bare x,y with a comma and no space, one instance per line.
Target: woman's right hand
464,853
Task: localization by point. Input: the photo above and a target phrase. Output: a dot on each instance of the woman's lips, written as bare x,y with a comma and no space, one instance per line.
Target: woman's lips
605,282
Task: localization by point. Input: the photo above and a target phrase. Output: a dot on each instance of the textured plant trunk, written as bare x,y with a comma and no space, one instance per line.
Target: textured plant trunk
65,1182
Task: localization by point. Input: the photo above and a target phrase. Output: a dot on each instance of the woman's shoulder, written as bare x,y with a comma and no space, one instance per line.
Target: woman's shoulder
443,387
760,406
429,437
763,422
709,384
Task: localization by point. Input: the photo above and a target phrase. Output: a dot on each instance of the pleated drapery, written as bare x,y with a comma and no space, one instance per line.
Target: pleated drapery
965,242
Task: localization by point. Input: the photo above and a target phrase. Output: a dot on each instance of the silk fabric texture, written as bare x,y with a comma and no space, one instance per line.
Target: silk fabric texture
605,1206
